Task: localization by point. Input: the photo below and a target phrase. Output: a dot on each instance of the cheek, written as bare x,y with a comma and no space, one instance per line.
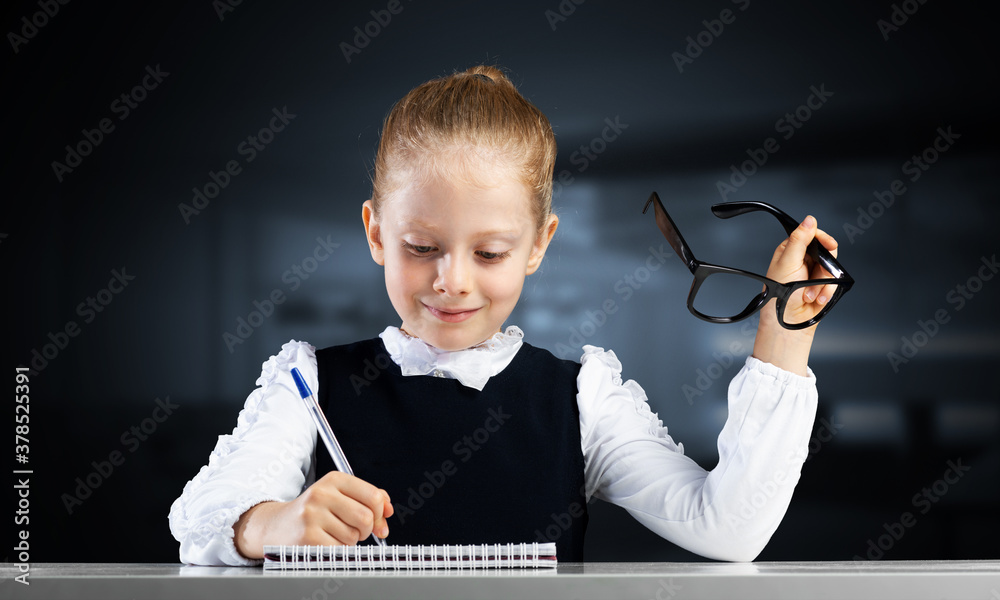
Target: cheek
400,275
506,284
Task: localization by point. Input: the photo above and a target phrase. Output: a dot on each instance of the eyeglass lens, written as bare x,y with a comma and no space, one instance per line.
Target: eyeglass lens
727,295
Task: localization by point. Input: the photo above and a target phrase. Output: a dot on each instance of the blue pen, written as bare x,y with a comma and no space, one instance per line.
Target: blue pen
325,432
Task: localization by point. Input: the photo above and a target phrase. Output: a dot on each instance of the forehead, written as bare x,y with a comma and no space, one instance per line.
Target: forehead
444,203
457,190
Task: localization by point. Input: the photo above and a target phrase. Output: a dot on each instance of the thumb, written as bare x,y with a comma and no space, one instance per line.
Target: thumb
794,253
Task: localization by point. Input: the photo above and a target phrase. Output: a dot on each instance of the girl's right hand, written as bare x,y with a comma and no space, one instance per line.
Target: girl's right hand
337,510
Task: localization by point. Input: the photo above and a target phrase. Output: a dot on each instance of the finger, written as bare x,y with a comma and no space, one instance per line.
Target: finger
827,241
357,489
342,533
387,508
820,294
319,521
356,503
793,254
374,500
350,521
381,527
778,252
826,294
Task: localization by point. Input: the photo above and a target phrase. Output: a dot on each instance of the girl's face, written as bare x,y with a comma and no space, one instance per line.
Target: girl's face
456,255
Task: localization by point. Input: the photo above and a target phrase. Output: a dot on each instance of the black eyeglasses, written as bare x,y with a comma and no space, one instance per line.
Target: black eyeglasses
719,294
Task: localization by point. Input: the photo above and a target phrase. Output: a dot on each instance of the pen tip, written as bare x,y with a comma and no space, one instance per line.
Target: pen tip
300,382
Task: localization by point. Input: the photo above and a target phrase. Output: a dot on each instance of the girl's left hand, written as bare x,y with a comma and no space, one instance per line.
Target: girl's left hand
790,263
785,348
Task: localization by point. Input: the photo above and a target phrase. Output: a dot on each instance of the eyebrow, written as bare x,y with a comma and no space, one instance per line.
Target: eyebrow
491,233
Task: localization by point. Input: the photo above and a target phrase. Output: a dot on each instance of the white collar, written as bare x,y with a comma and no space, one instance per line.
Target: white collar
472,367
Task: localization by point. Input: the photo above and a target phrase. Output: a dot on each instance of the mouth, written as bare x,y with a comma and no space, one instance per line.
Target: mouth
451,315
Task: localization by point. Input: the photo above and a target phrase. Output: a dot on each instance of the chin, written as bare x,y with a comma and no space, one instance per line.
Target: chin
454,339
450,343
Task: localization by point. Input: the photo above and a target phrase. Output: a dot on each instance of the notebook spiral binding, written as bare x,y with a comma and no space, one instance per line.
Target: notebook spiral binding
471,556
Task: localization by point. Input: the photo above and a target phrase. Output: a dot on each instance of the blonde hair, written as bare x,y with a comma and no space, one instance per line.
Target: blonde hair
477,117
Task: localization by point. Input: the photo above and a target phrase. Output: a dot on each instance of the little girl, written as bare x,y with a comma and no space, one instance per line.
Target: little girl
458,430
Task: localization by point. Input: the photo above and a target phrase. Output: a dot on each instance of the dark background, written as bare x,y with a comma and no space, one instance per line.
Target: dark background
884,432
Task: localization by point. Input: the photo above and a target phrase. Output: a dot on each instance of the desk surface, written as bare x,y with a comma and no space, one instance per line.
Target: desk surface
909,580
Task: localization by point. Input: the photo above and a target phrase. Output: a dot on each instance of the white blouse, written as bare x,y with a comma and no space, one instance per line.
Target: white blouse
728,513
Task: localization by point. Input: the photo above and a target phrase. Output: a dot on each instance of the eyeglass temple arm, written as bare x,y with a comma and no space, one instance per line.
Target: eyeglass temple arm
666,225
814,249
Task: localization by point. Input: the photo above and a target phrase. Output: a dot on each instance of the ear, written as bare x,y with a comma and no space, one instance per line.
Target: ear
373,232
542,244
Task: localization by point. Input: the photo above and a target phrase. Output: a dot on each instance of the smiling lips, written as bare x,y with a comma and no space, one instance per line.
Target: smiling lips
451,315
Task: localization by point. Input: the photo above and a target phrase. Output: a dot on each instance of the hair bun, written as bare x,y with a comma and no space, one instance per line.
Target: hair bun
488,73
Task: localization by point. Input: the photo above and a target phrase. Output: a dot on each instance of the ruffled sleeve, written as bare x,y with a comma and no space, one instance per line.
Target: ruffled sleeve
728,513
268,456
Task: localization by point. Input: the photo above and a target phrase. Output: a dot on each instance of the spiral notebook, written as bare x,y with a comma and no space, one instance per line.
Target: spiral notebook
475,556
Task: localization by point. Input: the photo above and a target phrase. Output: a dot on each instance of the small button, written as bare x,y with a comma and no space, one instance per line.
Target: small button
438,373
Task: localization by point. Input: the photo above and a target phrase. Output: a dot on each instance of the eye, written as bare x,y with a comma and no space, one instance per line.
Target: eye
494,257
418,250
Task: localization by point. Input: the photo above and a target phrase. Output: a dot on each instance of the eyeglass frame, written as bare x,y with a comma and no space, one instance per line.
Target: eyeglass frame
772,289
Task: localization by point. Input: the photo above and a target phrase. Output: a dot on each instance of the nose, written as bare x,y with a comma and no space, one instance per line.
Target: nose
454,276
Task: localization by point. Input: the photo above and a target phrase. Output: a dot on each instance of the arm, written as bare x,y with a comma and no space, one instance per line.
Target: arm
731,512
251,491
268,457
728,513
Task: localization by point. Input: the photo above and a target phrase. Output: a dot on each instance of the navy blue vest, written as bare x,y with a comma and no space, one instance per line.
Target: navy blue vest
462,466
